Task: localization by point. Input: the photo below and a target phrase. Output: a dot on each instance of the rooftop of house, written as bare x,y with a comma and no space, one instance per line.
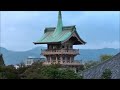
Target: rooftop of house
113,64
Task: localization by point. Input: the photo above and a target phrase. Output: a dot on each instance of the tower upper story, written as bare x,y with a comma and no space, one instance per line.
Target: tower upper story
60,34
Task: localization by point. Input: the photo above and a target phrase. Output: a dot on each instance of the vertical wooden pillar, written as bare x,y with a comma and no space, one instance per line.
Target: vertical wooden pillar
56,59
65,58
61,60
47,58
50,60
70,59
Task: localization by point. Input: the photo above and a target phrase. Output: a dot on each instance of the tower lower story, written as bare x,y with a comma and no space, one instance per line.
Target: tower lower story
65,57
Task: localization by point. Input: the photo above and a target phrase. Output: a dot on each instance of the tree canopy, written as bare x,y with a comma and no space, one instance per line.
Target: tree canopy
106,74
105,57
1,60
37,71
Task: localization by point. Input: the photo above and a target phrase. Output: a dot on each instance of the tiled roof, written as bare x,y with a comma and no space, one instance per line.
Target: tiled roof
58,34
113,64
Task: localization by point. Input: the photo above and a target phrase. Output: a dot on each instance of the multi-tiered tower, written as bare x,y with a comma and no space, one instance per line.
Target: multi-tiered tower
60,41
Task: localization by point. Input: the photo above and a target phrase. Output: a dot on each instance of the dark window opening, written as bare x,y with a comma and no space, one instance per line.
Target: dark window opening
68,58
58,57
53,58
63,58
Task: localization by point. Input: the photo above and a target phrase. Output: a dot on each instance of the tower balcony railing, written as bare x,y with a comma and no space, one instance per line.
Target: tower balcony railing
62,51
62,63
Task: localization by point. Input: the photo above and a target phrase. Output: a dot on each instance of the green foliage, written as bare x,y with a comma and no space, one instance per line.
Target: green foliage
55,65
80,68
51,72
105,57
1,60
8,72
37,71
69,74
90,64
106,74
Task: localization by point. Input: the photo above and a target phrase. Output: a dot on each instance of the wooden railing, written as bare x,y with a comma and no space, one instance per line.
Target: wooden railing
73,63
69,51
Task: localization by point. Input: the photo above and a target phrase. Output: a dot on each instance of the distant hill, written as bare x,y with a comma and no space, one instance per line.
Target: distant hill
13,57
94,54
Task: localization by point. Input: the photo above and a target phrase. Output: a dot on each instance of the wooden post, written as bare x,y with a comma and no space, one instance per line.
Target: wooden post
50,60
70,59
56,59
65,59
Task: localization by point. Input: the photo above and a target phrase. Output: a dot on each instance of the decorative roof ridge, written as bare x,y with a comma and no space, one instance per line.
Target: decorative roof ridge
62,27
69,26
50,27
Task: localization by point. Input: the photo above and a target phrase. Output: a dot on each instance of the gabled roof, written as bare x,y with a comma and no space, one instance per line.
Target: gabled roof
58,34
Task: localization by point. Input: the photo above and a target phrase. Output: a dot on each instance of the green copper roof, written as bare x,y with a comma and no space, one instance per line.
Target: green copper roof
51,36
59,25
56,34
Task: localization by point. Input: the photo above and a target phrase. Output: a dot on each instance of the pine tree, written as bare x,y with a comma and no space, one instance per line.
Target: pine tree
1,60
106,74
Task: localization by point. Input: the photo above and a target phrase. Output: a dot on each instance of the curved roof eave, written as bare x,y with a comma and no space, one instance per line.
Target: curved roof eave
80,40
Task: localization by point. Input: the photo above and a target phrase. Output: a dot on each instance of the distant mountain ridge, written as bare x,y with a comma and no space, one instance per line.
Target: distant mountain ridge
15,57
94,54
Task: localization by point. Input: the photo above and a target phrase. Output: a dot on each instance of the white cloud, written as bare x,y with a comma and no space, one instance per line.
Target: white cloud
114,44
20,28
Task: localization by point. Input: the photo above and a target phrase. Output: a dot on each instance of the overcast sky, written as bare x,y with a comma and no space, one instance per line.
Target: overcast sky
19,29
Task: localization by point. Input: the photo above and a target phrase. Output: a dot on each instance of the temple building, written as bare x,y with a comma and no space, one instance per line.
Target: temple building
60,41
